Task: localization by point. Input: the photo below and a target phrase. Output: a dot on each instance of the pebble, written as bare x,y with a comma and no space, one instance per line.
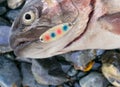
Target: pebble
96,66
13,4
65,68
2,10
80,58
76,85
4,35
10,55
28,79
4,22
43,73
99,52
72,72
65,65
12,14
9,73
81,74
94,79
65,85
111,67
1,1
4,39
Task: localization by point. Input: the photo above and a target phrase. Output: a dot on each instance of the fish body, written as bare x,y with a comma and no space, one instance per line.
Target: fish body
95,25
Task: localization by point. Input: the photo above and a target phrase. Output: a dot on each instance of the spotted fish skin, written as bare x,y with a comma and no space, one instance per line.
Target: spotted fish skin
96,26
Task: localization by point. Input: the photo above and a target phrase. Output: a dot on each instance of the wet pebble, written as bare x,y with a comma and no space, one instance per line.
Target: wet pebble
13,4
1,1
81,74
111,67
2,10
97,66
76,85
65,85
12,14
99,52
9,73
48,72
28,79
4,22
80,58
72,72
4,35
94,79
4,39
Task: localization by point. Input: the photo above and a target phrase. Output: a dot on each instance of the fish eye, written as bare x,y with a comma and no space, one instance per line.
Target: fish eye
28,17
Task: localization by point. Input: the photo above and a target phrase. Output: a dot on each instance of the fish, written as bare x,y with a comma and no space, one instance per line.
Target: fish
45,28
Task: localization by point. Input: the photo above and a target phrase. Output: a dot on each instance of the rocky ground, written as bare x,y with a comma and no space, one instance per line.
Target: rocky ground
69,70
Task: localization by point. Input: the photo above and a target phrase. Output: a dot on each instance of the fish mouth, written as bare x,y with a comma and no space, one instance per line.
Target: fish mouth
20,44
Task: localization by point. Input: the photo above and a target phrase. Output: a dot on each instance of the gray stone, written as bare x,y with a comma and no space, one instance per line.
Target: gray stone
3,22
81,74
111,67
65,68
48,72
1,1
76,85
65,85
80,58
96,66
28,79
2,10
9,73
13,4
12,14
94,79
99,52
4,39
72,72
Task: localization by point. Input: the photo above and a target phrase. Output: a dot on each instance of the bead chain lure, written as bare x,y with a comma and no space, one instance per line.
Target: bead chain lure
55,33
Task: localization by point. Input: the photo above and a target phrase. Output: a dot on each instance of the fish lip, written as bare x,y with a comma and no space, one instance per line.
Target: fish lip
21,46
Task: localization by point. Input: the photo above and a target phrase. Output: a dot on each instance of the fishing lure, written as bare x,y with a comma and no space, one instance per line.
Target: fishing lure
55,33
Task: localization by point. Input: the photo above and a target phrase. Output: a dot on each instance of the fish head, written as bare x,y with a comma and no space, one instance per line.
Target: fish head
45,28
39,18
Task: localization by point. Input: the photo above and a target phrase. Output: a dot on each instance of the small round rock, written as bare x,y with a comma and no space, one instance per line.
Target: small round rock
2,10
13,4
94,79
